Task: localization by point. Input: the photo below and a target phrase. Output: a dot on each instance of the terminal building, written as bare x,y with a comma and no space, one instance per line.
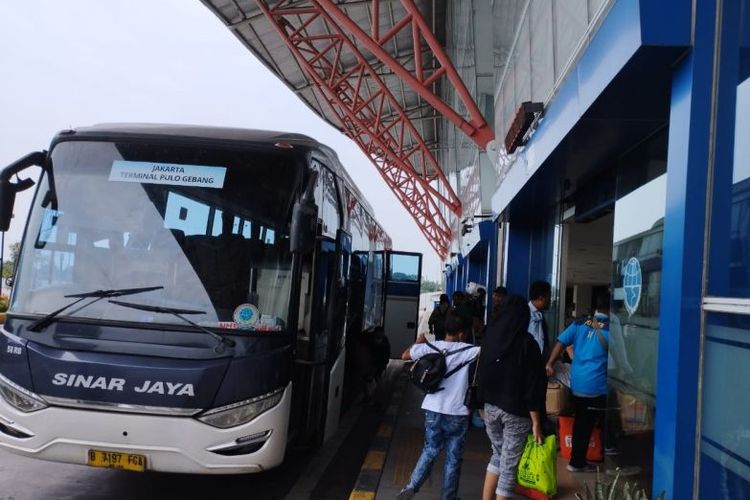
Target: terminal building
600,145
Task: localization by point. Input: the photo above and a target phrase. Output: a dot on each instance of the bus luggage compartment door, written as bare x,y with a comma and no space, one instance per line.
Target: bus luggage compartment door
403,282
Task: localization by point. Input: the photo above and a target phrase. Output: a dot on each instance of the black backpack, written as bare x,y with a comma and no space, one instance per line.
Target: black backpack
429,371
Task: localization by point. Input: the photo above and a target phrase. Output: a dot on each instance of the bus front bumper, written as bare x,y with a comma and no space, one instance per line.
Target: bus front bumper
169,444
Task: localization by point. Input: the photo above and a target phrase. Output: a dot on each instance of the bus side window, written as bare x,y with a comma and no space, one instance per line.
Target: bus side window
186,215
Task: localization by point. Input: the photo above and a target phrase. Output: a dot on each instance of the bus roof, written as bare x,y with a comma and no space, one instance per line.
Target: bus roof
200,132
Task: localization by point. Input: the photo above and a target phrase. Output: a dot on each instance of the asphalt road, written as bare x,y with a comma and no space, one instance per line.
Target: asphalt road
26,479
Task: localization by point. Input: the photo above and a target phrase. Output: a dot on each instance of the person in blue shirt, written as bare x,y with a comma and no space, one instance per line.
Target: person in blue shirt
588,376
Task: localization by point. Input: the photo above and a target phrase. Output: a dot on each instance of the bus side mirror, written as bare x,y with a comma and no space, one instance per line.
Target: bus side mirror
305,219
304,226
7,200
9,189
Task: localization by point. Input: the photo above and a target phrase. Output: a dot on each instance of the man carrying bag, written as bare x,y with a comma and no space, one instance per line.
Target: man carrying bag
588,377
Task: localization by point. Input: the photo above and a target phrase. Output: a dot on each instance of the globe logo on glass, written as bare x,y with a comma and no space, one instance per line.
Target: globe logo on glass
632,283
245,315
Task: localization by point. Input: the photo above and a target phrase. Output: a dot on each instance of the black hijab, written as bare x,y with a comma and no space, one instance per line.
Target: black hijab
512,322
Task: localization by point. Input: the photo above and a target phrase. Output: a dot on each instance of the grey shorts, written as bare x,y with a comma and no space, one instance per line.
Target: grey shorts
507,435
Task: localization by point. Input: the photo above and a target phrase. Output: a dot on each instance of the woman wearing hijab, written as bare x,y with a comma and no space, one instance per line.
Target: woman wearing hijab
513,386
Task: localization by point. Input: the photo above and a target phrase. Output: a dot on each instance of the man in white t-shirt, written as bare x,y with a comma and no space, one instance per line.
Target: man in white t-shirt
446,417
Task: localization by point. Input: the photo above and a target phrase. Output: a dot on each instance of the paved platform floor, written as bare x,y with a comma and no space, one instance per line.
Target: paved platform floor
406,445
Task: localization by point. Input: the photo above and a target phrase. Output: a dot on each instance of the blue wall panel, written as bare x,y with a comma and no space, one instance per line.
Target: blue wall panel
611,48
478,264
542,249
494,255
720,274
519,251
666,22
684,223
490,235
451,278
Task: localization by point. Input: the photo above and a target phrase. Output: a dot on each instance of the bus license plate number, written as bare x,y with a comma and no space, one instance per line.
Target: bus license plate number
116,460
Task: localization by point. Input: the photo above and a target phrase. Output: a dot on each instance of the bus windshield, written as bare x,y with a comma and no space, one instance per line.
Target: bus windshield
210,226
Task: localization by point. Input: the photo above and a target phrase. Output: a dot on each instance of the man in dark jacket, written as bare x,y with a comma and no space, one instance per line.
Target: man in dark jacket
437,318
513,385
462,308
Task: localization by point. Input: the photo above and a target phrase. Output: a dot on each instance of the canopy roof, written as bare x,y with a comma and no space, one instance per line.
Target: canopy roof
380,83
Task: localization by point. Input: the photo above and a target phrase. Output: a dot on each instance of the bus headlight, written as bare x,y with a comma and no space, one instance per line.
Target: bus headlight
241,412
20,398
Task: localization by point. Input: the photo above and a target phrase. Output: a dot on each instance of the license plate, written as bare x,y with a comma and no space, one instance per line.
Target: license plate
116,460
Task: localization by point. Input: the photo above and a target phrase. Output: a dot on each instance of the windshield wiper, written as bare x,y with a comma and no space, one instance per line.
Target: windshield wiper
179,313
97,295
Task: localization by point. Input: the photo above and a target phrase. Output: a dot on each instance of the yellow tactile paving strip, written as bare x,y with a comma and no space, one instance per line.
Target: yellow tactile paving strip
374,460
372,468
385,430
362,495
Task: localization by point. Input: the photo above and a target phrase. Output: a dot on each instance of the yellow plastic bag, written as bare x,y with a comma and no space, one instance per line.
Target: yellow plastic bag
538,466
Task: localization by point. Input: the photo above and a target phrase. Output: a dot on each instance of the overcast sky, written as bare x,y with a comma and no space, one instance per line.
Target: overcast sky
79,62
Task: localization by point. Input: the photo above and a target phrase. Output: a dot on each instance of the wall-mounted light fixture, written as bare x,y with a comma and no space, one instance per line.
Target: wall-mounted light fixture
467,224
519,128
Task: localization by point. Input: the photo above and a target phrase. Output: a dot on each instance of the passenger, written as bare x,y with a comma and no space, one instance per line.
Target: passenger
498,295
588,377
479,305
539,301
437,318
381,351
513,386
462,308
372,354
446,417
365,384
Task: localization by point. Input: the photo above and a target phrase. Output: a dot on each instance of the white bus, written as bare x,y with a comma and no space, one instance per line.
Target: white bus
185,298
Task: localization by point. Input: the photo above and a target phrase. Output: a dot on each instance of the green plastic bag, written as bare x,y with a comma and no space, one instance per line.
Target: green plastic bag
538,466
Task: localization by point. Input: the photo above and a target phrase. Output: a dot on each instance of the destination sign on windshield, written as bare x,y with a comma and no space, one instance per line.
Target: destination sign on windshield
172,174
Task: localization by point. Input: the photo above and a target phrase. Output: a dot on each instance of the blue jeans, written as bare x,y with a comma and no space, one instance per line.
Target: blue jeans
441,431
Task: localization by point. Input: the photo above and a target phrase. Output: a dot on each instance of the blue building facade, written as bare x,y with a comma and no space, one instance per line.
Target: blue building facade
635,182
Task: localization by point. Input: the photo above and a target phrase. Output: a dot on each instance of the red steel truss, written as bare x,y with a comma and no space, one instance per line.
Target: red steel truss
320,37
476,128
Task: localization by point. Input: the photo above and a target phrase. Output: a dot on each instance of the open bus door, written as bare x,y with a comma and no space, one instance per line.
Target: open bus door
321,355
403,282
338,293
